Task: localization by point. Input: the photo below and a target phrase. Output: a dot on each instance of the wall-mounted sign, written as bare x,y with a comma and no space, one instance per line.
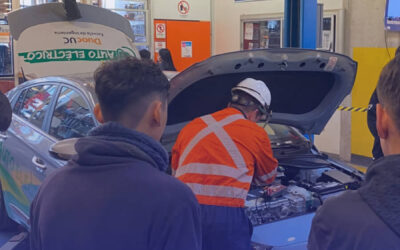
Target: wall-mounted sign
183,7
161,31
186,49
248,31
159,45
193,10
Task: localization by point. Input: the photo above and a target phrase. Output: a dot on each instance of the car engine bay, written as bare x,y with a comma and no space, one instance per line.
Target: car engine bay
297,191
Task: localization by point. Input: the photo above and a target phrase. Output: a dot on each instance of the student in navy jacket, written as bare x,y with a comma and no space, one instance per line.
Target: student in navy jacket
114,194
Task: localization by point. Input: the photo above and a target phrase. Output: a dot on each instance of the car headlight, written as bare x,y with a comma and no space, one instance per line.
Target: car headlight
258,246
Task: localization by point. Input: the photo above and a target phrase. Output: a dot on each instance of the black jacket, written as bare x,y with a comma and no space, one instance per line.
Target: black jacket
368,218
371,120
115,196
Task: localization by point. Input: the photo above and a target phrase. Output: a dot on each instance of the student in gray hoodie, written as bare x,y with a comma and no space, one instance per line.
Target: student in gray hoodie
369,218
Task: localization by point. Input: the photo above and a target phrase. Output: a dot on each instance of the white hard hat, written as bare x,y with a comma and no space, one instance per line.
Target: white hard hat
257,89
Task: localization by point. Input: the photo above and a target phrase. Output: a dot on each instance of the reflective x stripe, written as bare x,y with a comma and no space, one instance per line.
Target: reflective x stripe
268,176
214,127
214,169
218,191
227,141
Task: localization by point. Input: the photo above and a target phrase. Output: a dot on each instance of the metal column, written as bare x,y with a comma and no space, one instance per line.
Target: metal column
300,25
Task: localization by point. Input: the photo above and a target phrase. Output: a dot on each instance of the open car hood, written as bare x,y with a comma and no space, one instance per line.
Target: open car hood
306,85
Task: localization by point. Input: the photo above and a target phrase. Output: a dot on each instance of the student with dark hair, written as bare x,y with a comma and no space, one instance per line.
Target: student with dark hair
371,120
114,193
145,54
165,60
368,218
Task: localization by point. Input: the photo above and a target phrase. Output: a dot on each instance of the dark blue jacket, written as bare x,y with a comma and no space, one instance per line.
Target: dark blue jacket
115,195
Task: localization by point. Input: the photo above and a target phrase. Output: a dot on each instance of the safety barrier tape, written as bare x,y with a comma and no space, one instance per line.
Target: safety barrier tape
354,109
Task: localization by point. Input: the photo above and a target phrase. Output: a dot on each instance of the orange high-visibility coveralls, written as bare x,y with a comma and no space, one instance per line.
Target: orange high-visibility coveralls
217,156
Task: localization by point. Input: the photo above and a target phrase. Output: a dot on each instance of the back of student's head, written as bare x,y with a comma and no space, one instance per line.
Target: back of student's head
145,54
129,85
389,89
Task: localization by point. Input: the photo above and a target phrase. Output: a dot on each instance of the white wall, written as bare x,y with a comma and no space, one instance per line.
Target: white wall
226,20
332,4
168,9
366,17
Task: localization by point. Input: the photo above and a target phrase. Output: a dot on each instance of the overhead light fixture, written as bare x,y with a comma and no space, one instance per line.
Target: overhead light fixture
7,3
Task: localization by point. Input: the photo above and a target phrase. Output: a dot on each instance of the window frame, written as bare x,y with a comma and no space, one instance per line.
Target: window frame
260,18
147,21
83,95
11,51
51,105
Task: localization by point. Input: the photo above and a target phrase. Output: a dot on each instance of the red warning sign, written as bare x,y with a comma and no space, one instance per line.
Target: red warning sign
183,7
161,31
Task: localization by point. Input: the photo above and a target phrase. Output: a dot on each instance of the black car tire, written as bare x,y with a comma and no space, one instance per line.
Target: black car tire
5,222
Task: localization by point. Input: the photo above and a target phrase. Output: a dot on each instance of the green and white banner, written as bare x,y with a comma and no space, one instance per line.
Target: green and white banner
57,48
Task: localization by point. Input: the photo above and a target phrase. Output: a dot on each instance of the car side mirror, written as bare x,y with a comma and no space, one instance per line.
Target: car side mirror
64,150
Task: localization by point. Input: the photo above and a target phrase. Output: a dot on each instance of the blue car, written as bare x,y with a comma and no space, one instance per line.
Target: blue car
306,85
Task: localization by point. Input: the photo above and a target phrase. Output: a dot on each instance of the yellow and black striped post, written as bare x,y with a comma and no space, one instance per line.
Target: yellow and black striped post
354,109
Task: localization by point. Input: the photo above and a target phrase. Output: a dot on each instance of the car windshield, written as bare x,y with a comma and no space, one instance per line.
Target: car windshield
283,135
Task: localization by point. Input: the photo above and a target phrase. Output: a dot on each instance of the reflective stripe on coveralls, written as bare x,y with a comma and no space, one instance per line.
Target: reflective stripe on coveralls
239,173
268,176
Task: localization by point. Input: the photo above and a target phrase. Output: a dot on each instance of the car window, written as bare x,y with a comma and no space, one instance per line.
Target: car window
282,133
72,116
20,102
33,103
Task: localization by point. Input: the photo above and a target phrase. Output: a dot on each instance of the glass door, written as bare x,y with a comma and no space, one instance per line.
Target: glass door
136,11
6,44
261,34
329,33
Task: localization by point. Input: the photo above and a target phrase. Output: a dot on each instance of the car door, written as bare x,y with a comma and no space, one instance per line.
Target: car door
26,146
71,117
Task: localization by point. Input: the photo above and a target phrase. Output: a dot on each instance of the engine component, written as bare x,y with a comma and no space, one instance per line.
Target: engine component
266,209
275,191
339,176
324,188
311,175
296,191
